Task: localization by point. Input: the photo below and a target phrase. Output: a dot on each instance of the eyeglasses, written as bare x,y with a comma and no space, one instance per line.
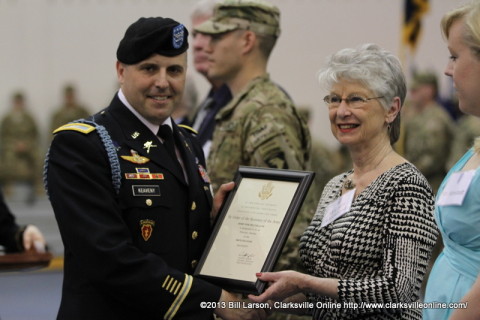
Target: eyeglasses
353,101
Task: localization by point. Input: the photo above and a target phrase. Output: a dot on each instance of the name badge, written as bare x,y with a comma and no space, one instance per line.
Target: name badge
456,188
338,208
152,191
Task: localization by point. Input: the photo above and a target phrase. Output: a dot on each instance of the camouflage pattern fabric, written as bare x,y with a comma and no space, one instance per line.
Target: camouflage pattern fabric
428,136
19,140
468,128
67,114
259,16
259,127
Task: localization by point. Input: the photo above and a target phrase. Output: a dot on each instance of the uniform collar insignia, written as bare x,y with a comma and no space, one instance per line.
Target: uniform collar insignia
135,135
149,144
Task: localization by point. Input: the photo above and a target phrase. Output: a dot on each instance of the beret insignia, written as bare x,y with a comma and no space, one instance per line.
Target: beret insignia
178,36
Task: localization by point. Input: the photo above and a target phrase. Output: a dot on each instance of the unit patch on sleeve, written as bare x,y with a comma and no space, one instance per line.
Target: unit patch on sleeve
146,227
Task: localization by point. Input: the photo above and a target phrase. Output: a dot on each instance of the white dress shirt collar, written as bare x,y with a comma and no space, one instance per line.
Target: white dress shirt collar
152,127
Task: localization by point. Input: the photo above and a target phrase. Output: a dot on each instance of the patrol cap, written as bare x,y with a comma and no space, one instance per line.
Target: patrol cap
148,36
424,78
258,16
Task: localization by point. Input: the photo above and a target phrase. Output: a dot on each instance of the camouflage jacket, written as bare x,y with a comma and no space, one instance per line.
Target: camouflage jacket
18,127
259,127
468,128
428,137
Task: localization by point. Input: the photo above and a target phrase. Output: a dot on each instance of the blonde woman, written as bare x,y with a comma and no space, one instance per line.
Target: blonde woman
457,210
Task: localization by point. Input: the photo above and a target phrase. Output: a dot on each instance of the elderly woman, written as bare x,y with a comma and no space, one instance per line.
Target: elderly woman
373,231
457,210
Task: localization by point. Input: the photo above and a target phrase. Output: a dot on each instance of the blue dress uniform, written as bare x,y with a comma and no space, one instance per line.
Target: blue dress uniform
130,248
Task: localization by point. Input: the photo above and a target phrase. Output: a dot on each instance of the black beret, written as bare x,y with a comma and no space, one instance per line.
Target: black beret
147,36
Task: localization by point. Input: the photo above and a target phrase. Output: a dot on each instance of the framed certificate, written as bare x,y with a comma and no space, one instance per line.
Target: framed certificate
252,227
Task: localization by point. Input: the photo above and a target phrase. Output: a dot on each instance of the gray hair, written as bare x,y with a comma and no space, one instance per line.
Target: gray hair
373,67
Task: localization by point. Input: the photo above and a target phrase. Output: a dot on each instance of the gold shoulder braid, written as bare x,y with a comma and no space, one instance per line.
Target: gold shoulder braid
188,128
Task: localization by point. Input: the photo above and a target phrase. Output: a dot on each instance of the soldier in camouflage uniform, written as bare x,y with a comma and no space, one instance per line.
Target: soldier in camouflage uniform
428,130
19,139
260,126
468,128
70,110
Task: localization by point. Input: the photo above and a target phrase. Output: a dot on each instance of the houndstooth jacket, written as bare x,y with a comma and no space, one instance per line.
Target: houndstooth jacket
378,250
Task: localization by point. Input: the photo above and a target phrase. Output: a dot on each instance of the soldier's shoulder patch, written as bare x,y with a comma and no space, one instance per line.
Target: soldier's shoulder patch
263,132
190,129
76,126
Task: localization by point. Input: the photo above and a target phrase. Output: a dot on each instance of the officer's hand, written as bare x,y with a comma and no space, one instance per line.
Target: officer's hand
33,239
241,312
220,198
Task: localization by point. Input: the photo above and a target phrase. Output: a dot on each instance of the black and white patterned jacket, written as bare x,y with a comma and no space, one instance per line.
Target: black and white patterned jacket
379,250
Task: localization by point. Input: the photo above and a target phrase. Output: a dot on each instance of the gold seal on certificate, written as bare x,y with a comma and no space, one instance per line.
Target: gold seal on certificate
266,191
253,226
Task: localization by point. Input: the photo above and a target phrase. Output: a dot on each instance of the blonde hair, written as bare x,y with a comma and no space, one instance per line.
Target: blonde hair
470,13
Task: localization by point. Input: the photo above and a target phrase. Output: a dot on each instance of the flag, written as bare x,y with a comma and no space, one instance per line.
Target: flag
413,13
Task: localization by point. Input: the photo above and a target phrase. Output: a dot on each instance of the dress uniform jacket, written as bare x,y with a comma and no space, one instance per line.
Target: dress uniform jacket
129,254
